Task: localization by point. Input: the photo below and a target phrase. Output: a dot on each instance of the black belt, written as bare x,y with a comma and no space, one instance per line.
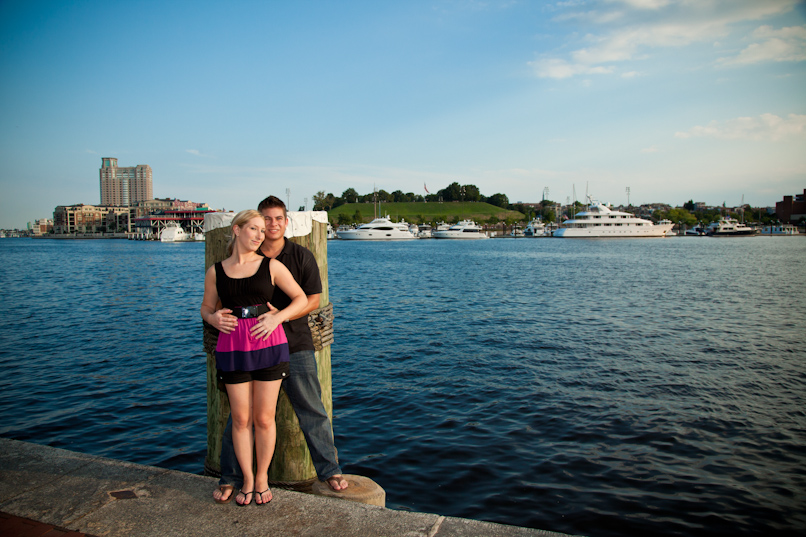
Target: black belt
248,312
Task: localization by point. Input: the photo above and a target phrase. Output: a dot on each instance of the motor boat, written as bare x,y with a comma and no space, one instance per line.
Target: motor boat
517,232
380,229
466,229
535,228
696,231
729,227
173,232
600,221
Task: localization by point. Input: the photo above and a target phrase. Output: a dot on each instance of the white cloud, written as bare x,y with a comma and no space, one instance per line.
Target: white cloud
784,45
557,68
645,4
652,149
197,153
764,127
630,29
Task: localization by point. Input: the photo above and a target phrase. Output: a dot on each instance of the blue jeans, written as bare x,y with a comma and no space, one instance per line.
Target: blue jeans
305,394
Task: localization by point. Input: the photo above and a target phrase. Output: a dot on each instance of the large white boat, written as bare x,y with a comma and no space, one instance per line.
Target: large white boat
466,229
780,230
535,228
729,227
424,231
380,229
173,232
600,221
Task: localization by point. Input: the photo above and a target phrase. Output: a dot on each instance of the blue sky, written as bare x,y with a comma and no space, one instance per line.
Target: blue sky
230,102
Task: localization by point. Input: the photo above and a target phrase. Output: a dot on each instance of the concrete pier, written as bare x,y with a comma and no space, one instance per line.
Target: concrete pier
104,497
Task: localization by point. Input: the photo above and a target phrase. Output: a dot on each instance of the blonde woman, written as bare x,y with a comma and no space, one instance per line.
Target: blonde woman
252,359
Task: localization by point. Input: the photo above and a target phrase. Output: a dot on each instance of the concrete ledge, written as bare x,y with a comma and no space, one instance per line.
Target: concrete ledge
106,497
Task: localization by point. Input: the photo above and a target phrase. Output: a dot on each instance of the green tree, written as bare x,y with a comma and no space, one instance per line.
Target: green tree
452,192
499,200
472,193
344,219
357,218
350,195
319,201
679,215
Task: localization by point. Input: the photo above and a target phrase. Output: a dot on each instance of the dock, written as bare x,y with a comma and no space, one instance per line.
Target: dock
51,491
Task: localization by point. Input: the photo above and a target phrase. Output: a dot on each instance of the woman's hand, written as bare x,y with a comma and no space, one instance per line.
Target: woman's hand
267,323
223,321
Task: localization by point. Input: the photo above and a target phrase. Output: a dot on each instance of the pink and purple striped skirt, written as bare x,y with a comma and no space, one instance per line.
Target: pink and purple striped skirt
240,351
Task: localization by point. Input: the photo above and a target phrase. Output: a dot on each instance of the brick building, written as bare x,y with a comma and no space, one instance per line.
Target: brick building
792,208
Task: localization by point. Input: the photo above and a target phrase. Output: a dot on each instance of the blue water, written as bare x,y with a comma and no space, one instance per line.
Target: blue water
610,387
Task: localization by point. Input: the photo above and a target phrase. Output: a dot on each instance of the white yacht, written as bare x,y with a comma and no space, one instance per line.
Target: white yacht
600,221
424,231
729,227
380,229
780,230
173,232
517,232
466,229
535,228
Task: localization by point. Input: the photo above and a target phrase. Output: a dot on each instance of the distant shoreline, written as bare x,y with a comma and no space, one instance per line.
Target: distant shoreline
83,236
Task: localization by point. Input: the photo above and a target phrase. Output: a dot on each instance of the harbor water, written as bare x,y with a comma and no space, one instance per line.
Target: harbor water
595,387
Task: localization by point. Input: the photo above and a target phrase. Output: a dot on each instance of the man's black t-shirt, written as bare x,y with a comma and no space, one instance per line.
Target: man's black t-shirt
302,265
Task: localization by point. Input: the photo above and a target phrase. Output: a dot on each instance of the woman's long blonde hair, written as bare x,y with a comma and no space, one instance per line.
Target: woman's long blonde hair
240,219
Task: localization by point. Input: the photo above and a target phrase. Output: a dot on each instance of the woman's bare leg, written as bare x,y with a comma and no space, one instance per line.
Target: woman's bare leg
240,400
264,405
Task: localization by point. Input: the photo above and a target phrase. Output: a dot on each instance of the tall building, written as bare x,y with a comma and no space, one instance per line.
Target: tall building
122,187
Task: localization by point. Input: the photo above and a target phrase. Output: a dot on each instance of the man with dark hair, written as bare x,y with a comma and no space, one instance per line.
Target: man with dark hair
302,386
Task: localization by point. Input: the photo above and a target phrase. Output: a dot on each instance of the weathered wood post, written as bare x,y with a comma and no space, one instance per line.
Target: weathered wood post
291,465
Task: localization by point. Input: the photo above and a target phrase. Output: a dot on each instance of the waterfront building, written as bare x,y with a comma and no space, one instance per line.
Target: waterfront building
791,209
121,187
85,218
150,217
41,226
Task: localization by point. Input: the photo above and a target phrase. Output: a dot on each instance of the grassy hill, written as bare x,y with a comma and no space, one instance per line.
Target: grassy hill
418,212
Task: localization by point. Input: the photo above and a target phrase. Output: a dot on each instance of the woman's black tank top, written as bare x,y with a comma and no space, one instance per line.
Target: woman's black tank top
238,292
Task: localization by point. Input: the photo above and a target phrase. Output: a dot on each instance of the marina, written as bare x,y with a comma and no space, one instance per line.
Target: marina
514,382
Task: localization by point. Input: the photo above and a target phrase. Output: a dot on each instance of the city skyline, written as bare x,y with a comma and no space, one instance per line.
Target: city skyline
676,100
